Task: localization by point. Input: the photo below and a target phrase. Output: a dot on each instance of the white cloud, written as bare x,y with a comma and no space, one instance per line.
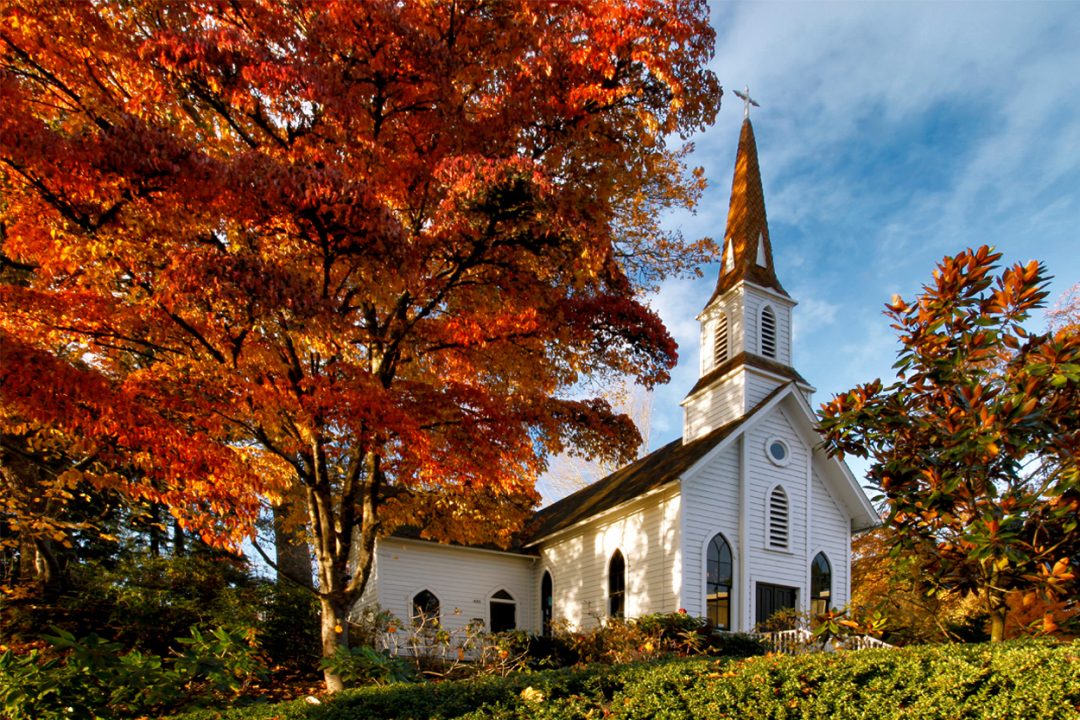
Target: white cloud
889,135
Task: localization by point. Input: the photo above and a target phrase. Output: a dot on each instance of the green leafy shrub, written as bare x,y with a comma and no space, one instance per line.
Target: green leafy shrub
539,651
146,601
226,658
670,626
1021,680
90,678
786,619
364,665
650,637
83,678
732,644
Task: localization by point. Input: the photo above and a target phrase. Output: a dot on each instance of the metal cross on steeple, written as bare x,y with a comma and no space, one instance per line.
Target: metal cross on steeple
745,97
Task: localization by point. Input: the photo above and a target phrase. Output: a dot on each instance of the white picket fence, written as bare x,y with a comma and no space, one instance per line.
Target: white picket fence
801,640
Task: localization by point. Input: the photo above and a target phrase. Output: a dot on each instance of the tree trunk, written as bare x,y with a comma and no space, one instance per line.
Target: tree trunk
997,625
47,568
178,539
996,608
335,634
155,529
28,567
331,557
344,545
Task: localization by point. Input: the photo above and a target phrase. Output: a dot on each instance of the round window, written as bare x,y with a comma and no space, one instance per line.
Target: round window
777,450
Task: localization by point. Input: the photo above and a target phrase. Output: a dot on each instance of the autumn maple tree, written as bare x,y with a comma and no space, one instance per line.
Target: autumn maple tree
974,447
356,253
890,584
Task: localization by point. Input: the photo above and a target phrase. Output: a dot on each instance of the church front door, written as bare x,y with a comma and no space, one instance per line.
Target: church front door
771,599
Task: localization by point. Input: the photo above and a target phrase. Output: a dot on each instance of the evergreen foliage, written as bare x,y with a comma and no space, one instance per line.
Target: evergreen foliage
1008,680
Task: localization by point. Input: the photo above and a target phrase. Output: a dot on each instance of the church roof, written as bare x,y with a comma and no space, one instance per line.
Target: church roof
653,471
746,224
752,360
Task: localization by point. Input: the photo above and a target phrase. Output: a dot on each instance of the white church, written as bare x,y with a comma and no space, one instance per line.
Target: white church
743,516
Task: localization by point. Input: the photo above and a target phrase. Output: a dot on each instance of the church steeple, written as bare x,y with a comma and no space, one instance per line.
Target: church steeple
747,251
746,325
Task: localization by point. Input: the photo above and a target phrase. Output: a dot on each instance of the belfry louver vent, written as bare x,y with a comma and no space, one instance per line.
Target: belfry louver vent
720,352
768,333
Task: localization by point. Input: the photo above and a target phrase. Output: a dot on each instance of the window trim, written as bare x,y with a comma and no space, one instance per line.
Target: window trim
828,596
621,593
491,599
732,595
546,628
769,441
414,617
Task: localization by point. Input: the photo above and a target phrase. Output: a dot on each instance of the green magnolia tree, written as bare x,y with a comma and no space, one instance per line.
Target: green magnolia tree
974,447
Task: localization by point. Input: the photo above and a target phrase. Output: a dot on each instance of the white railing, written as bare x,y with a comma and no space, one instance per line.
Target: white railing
862,642
801,640
789,642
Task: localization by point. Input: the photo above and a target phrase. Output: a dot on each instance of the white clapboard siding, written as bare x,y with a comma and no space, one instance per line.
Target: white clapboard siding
715,408
829,533
647,534
370,595
786,567
759,385
462,578
710,506
737,322
754,303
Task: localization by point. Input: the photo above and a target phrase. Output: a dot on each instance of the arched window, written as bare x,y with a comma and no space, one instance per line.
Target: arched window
778,519
719,579
768,332
503,611
617,586
720,351
820,584
547,604
425,605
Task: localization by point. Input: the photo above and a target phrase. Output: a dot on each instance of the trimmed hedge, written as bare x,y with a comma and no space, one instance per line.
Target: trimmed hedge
1012,680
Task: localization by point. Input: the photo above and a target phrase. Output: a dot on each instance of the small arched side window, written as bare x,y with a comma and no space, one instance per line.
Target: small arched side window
820,584
778,519
768,332
617,586
720,345
547,604
425,606
719,579
503,612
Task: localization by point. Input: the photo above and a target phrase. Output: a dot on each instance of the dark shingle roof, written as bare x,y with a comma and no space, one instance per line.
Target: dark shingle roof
746,358
650,472
412,532
746,223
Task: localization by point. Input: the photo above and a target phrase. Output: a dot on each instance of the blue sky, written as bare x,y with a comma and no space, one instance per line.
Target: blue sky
889,135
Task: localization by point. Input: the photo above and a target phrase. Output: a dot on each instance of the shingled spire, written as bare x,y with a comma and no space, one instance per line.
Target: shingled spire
746,325
747,251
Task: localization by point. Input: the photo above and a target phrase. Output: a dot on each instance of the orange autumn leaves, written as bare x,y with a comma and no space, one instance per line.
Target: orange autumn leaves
368,250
